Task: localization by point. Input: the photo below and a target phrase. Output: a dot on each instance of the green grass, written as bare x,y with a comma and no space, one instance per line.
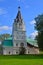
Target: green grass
21,60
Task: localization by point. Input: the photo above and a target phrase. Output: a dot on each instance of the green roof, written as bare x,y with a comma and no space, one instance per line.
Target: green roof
8,42
32,42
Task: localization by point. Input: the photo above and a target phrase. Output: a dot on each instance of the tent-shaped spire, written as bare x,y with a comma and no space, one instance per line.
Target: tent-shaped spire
19,17
19,13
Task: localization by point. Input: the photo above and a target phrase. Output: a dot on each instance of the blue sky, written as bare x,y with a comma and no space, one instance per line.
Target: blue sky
29,10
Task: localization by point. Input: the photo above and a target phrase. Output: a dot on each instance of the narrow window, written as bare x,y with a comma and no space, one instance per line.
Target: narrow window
16,44
9,52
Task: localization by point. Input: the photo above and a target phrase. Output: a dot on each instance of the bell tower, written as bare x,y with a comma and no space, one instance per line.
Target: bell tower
18,33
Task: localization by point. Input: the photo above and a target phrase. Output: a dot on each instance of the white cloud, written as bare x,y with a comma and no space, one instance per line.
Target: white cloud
33,35
32,22
5,28
2,11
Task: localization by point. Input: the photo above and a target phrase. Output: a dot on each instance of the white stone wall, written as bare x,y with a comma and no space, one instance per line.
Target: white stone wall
16,50
7,50
33,50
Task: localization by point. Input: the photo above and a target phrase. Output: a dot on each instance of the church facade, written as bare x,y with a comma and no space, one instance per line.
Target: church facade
18,37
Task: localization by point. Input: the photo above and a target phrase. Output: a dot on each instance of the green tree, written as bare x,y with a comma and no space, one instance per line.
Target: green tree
39,28
3,36
1,49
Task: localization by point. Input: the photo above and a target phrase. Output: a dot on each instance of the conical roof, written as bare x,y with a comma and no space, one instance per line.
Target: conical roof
18,14
19,17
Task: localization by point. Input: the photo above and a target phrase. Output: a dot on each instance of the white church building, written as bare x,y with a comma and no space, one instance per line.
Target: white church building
12,45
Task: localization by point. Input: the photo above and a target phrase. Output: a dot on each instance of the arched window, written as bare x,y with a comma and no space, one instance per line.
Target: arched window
22,44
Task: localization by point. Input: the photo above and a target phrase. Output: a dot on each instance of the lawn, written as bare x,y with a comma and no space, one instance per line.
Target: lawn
21,60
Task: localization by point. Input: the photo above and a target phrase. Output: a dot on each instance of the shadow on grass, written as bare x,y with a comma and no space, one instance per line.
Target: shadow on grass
30,56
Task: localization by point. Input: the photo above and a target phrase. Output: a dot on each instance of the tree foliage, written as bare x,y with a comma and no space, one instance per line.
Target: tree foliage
1,49
3,36
39,28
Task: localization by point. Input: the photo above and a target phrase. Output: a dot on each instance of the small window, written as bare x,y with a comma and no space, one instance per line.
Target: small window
16,52
16,44
9,52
